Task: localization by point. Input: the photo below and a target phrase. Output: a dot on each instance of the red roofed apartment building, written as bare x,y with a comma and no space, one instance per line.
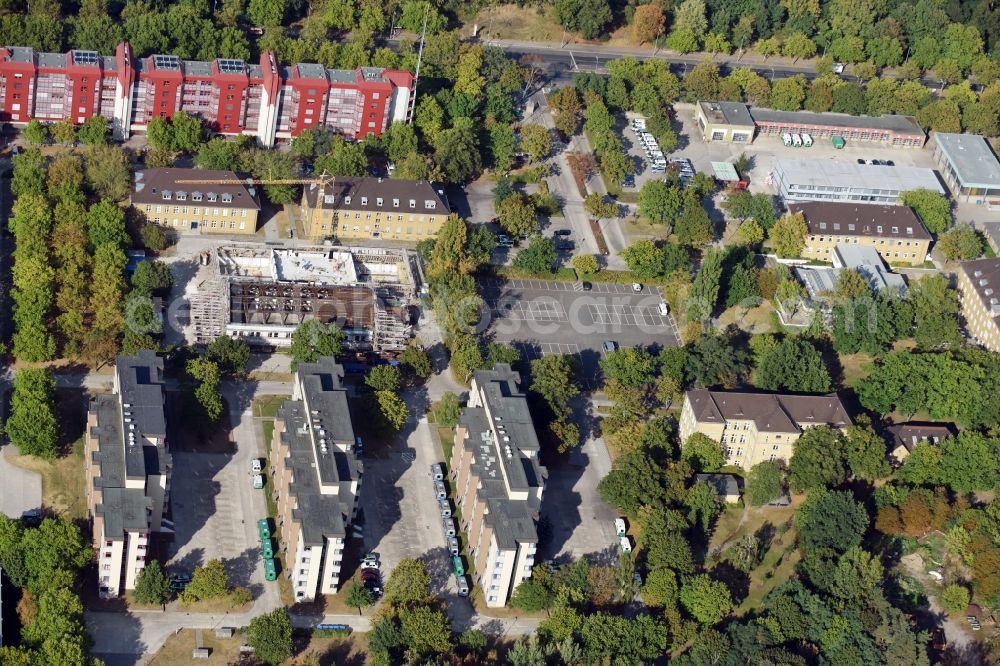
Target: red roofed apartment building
233,97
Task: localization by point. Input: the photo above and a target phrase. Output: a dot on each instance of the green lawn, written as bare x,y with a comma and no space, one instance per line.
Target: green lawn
267,405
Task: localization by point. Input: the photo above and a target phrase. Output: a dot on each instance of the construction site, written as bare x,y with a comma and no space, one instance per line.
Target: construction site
262,294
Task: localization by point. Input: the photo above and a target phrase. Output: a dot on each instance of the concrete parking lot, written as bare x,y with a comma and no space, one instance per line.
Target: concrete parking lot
400,512
215,507
767,150
575,520
547,317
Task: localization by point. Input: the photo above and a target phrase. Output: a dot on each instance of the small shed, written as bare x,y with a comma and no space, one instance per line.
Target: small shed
726,486
201,653
224,632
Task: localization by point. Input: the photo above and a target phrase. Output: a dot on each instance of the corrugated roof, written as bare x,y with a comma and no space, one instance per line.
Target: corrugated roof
903,125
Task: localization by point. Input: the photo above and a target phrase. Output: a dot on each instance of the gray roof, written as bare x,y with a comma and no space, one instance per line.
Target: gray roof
992,231
831,173
971,158
365,194
323,409
197,68
140,381
309,70
21,54
124,510
512,520
818,280
898,124
723,484
52,59
866,260
152,184
727,113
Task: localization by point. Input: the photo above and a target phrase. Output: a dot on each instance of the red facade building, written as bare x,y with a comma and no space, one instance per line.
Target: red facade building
232,97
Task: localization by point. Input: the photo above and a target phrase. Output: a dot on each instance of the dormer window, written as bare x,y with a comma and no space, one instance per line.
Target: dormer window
413,203
212,196
196,196
395,203
428,204
895,230
378,201
364,201
182,196
909,230
878,228
347,201
227,198
822,225
166,195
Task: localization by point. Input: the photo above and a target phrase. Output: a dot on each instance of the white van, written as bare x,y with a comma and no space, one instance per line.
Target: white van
620,527
786,139
626,544
807,140
796,140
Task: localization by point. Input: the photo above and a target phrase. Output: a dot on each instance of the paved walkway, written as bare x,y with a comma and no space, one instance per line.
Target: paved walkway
20,489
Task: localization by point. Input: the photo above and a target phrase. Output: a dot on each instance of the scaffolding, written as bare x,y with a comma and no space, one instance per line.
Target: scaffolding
245,296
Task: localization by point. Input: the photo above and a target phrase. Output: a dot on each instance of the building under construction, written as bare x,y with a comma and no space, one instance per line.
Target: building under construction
262,294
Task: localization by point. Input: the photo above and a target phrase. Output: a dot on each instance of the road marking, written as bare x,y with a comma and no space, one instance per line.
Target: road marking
408,456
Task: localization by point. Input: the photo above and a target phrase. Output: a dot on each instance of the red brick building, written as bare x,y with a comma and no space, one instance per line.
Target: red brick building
265,100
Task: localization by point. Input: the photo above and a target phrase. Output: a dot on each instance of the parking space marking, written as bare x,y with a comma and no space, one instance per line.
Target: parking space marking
560,286
533,351
628,315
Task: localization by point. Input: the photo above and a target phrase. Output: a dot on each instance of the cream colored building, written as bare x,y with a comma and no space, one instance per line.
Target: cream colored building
498,482
755,427
206,208
979,288
316,478
364,208
894,231
127,467
727,122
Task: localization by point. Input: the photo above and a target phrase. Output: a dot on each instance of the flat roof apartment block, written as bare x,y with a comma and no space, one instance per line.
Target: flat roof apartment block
260,99
498,481
165,198
755,427
827,180
382,208
969,167
895,232
128,469
979,288
316,478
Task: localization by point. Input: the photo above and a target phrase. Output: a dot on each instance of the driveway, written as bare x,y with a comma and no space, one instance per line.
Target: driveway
215,508
21,489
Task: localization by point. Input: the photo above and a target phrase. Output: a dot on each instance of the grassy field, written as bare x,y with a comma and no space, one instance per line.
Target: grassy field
853,365
329,651
62,480
267,405
512,22
447,436
754,320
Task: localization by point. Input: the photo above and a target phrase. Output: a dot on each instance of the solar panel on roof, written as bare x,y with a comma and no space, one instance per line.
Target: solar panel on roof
166,62
85,57
231,66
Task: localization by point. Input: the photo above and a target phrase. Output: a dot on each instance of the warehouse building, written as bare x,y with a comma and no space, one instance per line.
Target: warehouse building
979,288
381,208
969,167
206,208
264,99
756,427
316,478
498,481
262,294
733,122
128,471
728,122
828,180
894,231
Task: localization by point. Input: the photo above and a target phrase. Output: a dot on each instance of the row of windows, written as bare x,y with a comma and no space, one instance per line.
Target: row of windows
837,239
185,224
217,212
